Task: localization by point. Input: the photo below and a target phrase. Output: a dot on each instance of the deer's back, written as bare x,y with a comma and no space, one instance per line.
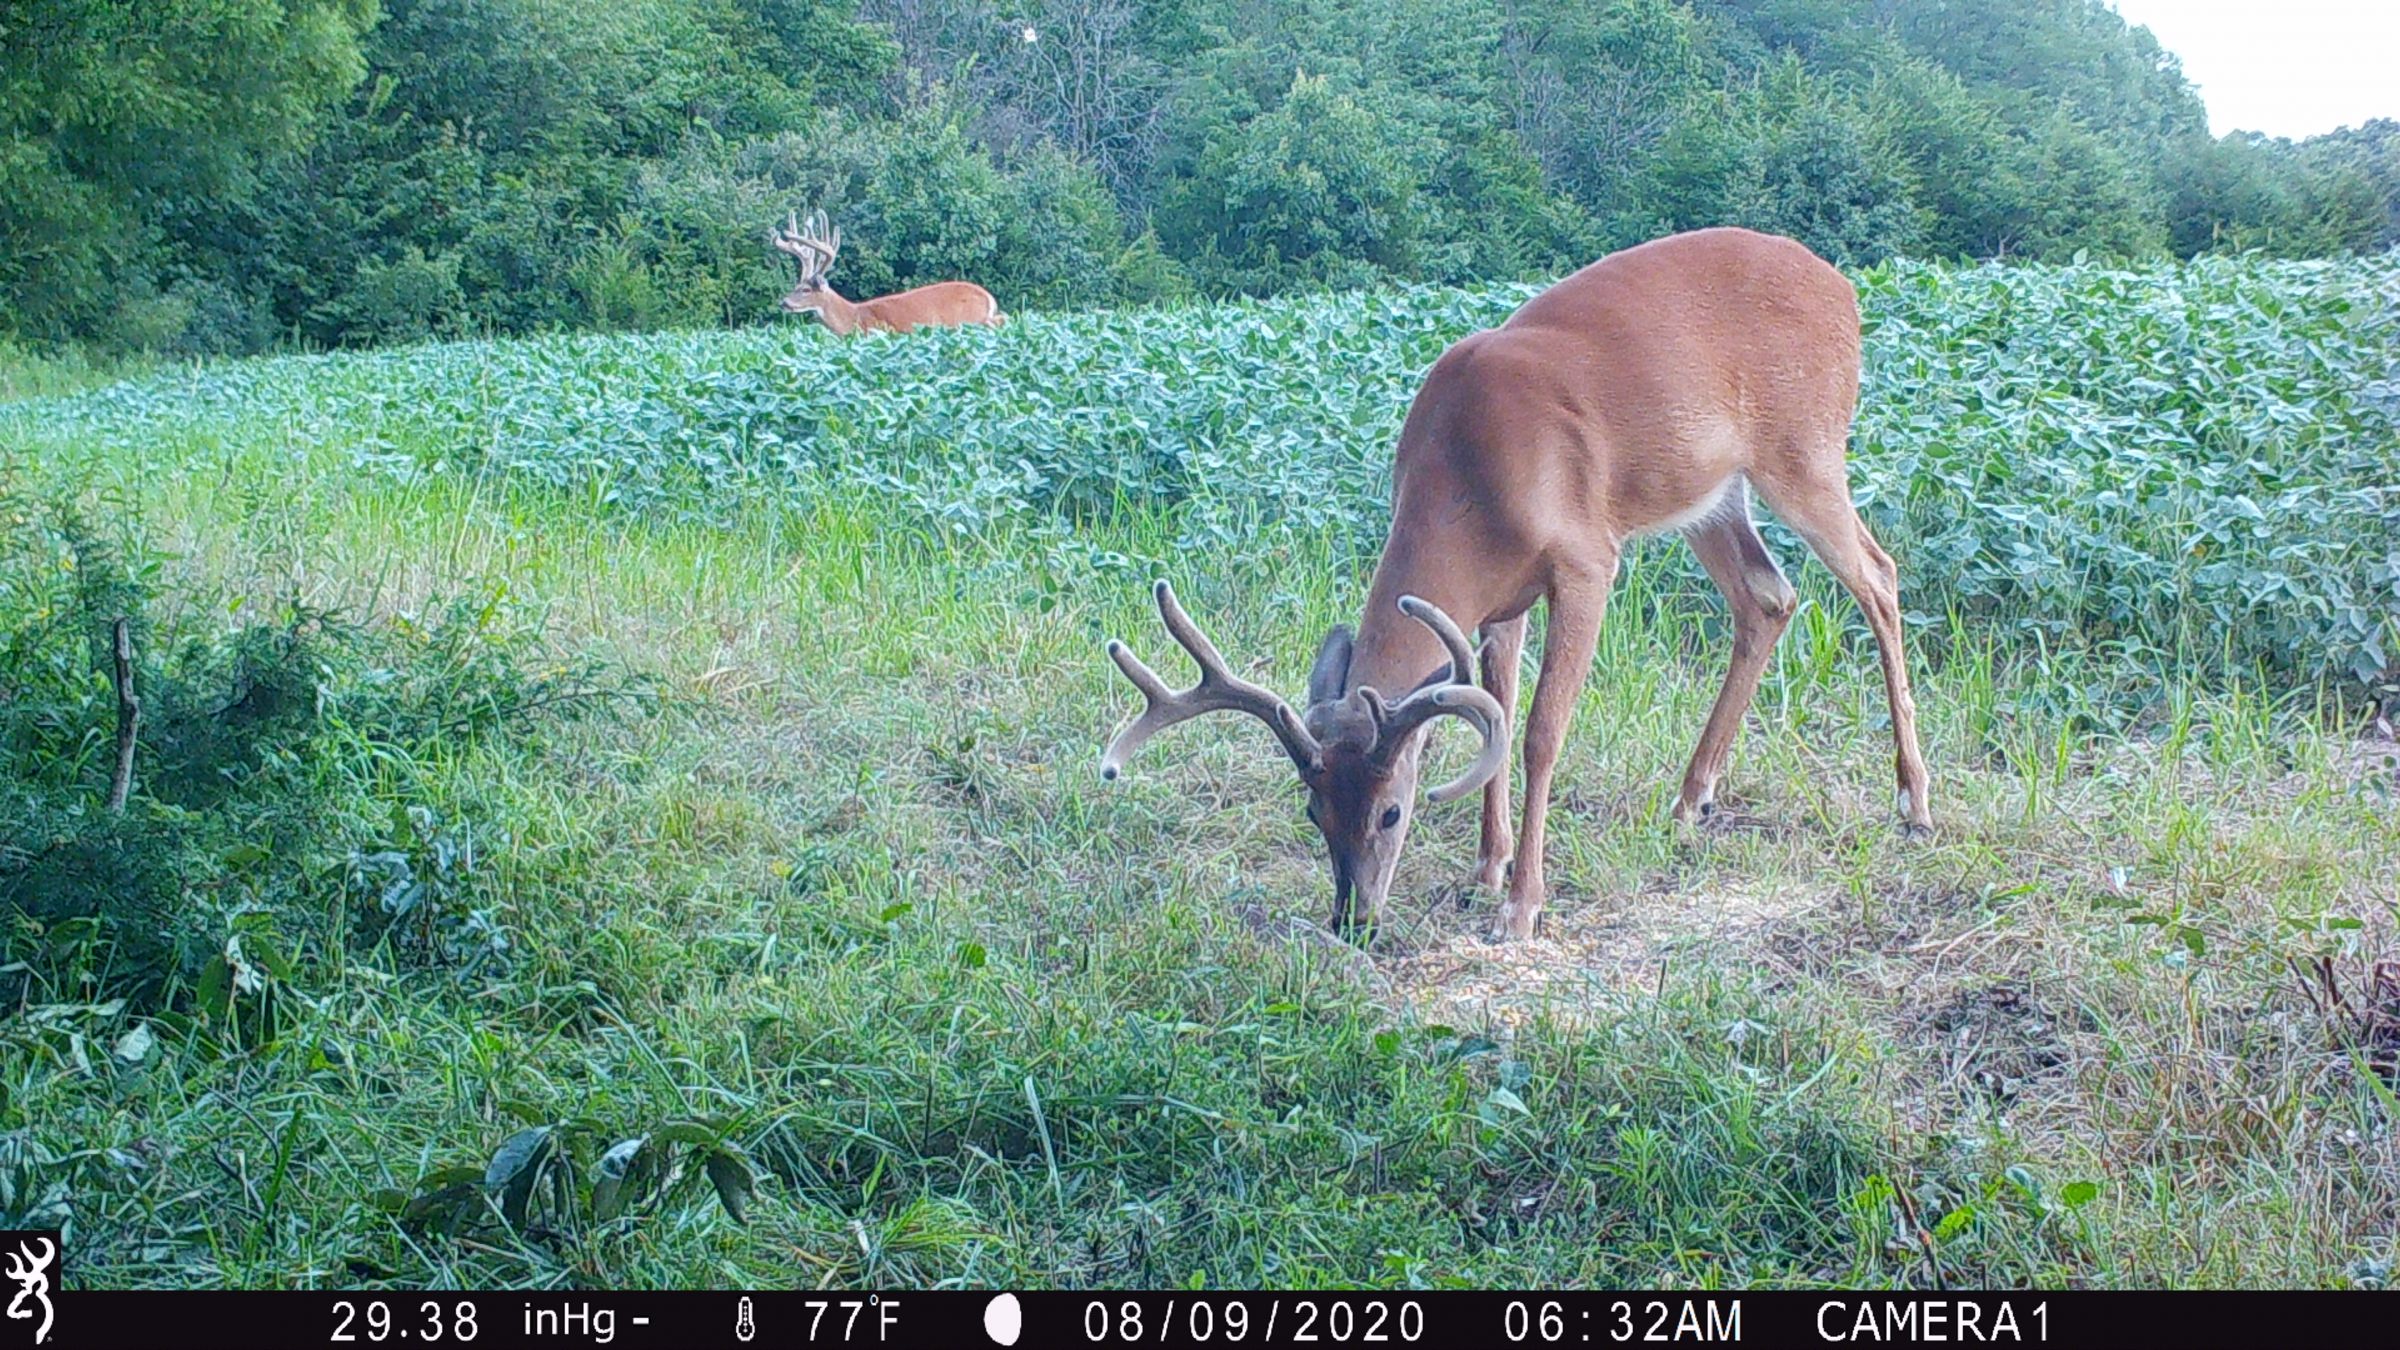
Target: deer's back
941,305
1627,395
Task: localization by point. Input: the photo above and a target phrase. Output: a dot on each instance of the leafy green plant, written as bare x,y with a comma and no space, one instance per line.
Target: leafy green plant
420,885
564,1179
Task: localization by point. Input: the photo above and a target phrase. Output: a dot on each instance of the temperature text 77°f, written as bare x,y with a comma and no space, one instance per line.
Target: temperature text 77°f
845,1320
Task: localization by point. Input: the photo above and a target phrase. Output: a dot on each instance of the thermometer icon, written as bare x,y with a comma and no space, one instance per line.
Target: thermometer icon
743,1327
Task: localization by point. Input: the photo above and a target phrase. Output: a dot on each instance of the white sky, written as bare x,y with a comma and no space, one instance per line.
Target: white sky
2285,67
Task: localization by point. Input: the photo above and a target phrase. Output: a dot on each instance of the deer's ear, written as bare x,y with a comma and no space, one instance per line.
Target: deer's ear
1331,674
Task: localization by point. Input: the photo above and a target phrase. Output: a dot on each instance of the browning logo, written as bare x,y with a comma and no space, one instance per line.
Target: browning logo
31,1259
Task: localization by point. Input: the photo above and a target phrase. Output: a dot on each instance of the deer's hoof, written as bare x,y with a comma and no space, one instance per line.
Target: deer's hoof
1356,932
1514,923
1490,875
1916,818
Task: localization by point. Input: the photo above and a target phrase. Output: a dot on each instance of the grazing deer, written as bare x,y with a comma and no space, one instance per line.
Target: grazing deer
944,304
1649,392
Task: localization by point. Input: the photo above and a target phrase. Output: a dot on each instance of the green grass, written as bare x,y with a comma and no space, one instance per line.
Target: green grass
855,899
27,373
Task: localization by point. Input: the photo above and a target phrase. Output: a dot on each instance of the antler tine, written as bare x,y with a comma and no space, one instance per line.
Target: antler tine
1462,655
1218,689
1459,698
1188,636
1484,713
788,239
1466,703
814,242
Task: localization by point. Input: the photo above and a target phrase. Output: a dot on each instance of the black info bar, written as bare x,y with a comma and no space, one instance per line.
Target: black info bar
154,1320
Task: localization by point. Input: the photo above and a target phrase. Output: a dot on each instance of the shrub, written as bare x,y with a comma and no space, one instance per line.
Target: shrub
1320,190
262,762
1789,156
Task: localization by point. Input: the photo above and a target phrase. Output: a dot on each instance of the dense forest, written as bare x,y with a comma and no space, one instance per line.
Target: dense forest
227,176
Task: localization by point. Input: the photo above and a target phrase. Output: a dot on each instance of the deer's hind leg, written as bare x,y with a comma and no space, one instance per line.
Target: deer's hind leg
1762,602
1823,516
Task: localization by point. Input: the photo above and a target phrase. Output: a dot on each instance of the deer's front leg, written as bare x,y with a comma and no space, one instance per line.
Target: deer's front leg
1504,647
1576,604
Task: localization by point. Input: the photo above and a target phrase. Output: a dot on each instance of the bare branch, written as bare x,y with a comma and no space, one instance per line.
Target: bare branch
129,716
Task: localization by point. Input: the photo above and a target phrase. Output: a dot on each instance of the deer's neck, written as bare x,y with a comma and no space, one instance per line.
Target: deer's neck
1393,651
840,315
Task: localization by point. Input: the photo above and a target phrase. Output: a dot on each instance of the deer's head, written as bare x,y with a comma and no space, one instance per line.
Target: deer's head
812,249
1354,750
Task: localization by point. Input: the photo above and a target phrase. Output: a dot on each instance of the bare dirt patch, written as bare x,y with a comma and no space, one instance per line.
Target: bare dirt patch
1591,952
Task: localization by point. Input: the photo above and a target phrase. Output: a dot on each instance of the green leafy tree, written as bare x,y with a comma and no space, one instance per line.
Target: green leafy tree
1594,89
2337,193
1791,156
108,110
229,175
2372,152
2114,76
1319,190
485,176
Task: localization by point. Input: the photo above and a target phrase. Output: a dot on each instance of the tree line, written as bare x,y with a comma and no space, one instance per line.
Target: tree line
231,176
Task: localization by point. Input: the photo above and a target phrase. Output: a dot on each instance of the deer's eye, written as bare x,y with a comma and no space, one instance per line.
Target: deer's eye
1391,817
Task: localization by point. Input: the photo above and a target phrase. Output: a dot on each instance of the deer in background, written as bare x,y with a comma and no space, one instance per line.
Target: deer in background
812,249
1650,392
